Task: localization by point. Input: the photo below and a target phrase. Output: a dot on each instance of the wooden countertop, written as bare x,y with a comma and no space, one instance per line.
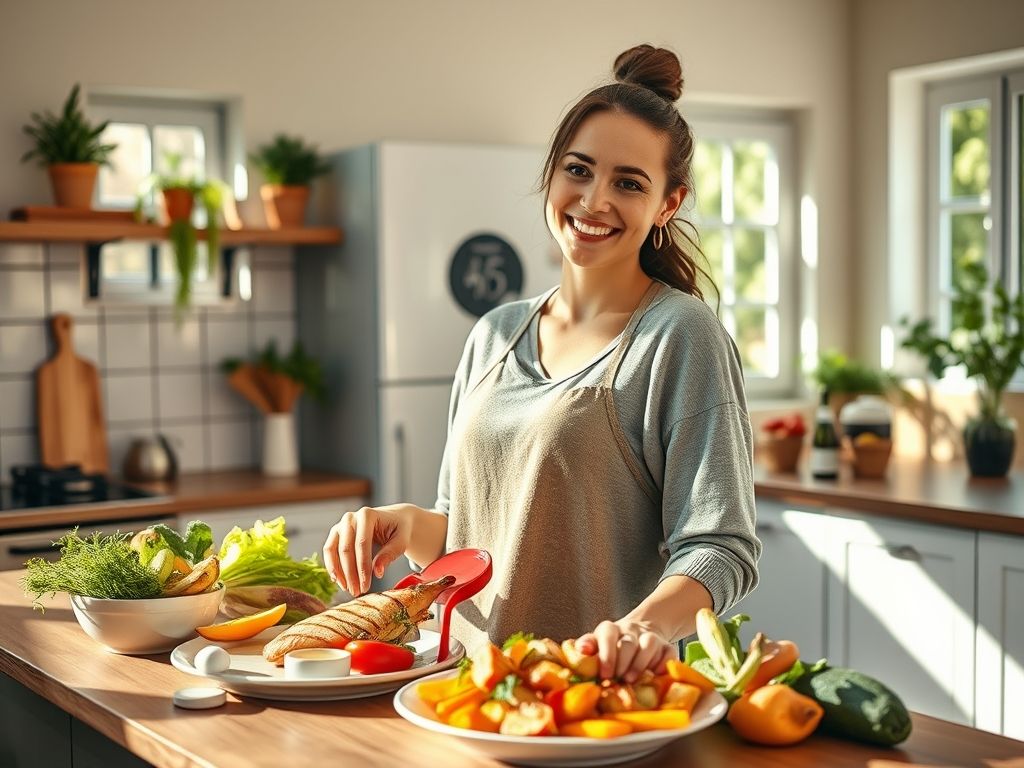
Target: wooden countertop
196,492
128,699
940,493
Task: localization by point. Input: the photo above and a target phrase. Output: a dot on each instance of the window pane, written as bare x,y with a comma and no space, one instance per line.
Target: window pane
750,264
131,162
125,262
707,177
712,242
757,339
969,236
969,168
749,160
169,269
185,142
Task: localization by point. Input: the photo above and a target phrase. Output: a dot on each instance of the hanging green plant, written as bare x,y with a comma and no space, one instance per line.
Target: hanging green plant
182,233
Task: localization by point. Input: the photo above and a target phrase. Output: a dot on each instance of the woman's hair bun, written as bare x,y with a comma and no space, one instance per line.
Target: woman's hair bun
654,68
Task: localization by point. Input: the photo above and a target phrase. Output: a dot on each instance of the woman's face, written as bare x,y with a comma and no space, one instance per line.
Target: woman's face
609,189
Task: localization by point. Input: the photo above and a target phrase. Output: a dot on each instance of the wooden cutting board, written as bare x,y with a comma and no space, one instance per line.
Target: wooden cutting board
70,408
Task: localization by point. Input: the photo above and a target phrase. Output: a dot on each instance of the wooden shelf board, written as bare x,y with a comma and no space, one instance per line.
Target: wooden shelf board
101,231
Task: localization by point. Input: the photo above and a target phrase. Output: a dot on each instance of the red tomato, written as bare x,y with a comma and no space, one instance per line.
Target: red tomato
794,425
773,424
371,657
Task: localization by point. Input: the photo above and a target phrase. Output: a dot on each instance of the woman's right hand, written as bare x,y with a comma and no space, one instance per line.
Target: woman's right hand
348,551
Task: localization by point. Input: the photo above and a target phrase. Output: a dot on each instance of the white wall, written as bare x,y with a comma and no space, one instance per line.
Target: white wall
344,73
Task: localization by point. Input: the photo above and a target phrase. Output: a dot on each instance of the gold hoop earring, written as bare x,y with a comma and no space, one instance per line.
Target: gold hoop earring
656,240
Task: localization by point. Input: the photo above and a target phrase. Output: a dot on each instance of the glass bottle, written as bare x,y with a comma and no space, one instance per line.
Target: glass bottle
825,445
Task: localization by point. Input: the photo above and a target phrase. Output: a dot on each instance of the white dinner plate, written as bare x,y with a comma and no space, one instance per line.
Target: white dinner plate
252,675
556,750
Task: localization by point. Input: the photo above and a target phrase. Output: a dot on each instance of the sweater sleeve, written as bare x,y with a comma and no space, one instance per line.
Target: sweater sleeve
708,503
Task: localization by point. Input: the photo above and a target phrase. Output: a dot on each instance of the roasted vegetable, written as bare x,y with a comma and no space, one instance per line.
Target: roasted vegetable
775,715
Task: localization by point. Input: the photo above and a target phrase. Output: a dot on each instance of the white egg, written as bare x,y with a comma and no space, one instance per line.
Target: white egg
212,659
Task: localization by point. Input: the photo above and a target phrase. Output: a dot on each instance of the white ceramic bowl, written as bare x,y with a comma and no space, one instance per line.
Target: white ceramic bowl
145,626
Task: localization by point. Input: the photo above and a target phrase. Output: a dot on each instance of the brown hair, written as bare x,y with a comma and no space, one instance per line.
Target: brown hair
648,82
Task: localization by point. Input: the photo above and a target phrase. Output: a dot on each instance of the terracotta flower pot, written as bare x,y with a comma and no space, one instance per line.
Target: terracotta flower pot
178,203
780,454
73,183
284,206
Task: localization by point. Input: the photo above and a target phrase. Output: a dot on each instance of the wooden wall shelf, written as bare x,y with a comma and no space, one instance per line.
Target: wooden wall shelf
105,232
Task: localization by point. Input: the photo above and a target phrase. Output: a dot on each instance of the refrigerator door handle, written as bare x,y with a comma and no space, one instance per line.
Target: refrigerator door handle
401,466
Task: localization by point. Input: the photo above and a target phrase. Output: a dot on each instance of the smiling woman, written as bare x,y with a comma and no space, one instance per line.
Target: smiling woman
599,446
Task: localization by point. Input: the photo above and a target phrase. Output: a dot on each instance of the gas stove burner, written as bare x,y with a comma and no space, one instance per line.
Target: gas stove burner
39,486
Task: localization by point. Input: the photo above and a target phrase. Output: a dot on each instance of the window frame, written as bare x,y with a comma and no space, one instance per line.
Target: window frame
939,95
780,131
211,116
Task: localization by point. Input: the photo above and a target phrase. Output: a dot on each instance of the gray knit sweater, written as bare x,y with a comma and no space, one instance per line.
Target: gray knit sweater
679,398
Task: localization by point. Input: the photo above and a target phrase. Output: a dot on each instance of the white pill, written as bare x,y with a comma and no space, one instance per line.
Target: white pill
199,698
212,659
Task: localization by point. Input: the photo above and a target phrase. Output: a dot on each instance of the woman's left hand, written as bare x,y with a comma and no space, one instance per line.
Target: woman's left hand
626,648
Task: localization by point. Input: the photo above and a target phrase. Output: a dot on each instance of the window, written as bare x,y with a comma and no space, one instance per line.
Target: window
744,211
974,185
149,131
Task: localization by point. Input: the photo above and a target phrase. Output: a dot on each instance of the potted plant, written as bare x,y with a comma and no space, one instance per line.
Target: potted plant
71,149
273,384
987,339
179,195
289,167
843,379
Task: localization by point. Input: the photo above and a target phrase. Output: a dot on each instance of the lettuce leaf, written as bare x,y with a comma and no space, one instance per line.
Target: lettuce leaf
259,556
198,541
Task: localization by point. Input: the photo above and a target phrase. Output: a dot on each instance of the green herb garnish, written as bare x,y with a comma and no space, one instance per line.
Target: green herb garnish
97,566
505,690
513,639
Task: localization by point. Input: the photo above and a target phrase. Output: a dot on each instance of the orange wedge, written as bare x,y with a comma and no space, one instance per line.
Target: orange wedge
244,627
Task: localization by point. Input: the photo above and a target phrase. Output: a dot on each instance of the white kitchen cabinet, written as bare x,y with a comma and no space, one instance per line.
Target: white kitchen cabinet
1000,634
901,609
789,601
306,523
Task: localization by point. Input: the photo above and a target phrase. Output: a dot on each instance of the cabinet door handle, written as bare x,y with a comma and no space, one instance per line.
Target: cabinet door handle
765,528
290,533
905,552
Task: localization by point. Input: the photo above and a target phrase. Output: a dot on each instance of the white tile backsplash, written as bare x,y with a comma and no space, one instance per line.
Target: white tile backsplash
226,337
22,296
17,404
17,449
221,399
67,294
127,343
70,255
231,445
180,395
22,254
179,344
22,347
282,331
189,444
155,376
273,291
129,397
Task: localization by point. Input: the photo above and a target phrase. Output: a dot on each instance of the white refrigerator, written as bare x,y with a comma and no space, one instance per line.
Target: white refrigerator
433,236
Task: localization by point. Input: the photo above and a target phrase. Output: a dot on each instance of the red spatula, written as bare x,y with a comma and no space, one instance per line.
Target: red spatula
471,569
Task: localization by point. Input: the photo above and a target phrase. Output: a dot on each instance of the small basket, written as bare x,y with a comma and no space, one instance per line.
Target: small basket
871,459
780,454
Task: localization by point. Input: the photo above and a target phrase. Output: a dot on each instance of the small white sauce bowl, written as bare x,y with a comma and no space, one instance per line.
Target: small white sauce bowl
317,663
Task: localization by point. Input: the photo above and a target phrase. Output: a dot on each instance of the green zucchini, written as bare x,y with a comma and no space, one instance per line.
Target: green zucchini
856,706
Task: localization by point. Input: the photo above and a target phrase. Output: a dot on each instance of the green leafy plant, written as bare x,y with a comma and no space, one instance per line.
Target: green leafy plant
209,194
288,161
67,138
838,374
297,365
97,566
987,338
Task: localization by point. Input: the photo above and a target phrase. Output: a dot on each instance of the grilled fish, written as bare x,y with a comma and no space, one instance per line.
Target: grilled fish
389,616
